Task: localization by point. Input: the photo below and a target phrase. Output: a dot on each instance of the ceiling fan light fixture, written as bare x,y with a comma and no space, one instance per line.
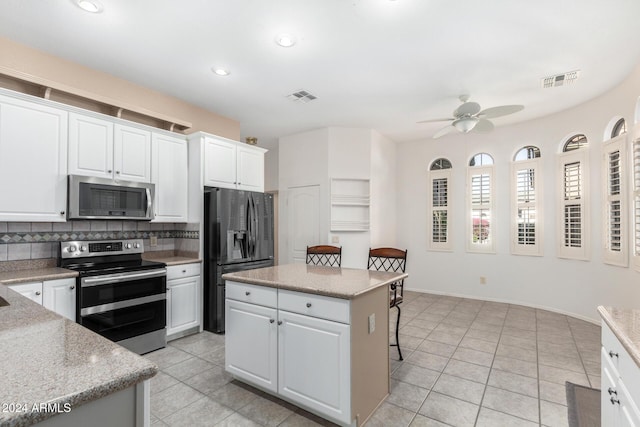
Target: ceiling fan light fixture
465,124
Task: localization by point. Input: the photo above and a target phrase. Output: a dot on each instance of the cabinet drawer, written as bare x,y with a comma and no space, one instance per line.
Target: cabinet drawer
323,307
611,346
184,270
253,294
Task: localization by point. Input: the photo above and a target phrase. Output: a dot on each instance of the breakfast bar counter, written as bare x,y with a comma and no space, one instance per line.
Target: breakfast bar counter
57,372
317,337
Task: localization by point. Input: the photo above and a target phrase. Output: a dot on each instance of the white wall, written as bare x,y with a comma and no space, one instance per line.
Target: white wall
271,160
383,191
574,287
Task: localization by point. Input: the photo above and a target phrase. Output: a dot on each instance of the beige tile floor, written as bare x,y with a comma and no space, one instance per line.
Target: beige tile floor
466,363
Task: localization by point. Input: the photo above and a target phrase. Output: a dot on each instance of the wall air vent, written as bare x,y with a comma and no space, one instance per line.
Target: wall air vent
560,79
302,96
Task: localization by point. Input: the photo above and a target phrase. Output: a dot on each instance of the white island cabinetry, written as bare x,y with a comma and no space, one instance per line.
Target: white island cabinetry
302,333
58,295
184,290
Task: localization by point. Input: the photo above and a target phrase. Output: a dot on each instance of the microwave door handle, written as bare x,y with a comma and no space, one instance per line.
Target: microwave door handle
149,203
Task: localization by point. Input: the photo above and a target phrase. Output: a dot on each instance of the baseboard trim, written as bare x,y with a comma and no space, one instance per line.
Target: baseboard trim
506,301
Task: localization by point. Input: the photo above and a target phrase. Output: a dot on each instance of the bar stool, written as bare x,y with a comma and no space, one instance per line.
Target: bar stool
330,256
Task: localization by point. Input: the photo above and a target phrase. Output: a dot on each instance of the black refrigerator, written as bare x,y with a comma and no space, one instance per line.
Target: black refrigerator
238,235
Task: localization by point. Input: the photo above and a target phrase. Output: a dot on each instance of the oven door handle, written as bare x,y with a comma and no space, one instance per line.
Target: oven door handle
121,277
96,309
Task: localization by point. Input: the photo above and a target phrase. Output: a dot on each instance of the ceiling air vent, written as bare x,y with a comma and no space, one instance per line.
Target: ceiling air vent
302,96
560,79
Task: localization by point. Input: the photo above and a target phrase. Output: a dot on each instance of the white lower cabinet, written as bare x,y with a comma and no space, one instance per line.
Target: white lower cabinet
183,299
303,358
57,295
620,384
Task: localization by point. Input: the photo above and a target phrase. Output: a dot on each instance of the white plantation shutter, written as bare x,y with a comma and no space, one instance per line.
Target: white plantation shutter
480,224
439,233
615,201
526,224
573,219
635,147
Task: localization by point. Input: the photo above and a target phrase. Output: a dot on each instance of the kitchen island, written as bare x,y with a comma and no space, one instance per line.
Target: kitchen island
58,373
317,337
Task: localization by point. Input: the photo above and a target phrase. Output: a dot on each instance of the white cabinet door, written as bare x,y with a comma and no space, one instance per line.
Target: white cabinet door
183,302
170,175
60,296
251,343
33,161
314,360
90,146
250,168
131,154
219,163
33,291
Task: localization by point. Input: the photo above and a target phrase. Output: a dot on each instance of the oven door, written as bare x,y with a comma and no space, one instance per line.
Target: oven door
123,305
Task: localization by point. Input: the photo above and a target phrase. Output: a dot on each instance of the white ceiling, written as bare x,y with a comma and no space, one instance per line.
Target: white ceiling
377,64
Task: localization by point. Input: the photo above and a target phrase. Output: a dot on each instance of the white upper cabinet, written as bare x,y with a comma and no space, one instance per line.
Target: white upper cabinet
100,148
170,175
33,161
231,164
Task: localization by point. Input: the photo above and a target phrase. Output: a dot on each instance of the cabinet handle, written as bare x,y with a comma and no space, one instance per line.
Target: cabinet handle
72,287
614,401
168,289
612,354
279,322
308,305
61,212
612,391
247,293
271,320
184,271
37,292
118,172
109,171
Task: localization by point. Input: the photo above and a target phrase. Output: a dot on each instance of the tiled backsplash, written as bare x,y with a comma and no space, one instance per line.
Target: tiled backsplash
38,240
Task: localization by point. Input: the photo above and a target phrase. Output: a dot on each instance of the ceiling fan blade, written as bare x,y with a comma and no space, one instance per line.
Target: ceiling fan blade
435,120
469,108
500,111
445,130
482,126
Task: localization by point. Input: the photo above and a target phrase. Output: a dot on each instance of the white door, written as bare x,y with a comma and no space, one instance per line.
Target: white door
251,343
132,154
33,291
90,146
314,364
33,162
182,304
250,170
304,220
219,163
170,175
60,296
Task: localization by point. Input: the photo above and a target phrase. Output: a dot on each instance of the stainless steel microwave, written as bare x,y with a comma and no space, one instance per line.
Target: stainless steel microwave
99,198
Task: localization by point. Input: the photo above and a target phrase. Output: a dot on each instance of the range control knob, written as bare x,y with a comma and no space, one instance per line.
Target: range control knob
83,248
127,245
72,248
136,245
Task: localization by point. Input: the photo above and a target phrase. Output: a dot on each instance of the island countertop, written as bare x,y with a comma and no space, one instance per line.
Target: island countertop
47,358
346,283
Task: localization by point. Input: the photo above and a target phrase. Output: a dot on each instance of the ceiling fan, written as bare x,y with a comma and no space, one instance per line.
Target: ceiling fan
469,117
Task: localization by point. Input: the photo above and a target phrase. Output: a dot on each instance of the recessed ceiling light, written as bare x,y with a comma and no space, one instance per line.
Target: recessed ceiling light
285,40
92,6
221,71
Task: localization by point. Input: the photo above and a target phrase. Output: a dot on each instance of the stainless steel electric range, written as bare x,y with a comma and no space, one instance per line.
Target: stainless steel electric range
120,296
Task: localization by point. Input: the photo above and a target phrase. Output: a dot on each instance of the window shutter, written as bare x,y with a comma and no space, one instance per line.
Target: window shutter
614,215
439,233
573,240
480,229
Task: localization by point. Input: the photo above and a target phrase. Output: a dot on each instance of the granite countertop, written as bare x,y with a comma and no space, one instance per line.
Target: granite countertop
47,358
169,258
35,275
346,283
625,324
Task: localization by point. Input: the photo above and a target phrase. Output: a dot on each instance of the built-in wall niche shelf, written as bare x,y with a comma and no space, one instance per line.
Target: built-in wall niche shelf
349,204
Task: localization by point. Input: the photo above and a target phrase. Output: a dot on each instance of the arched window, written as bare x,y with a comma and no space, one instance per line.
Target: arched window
480,204
440,205
526,202
619,128
573,238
